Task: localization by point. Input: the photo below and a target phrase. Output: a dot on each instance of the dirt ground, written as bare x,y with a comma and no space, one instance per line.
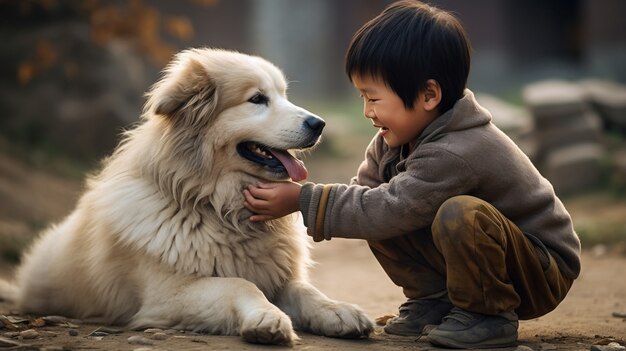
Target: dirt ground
345,270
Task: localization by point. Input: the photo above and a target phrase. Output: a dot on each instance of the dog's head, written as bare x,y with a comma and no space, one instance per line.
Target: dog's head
233,108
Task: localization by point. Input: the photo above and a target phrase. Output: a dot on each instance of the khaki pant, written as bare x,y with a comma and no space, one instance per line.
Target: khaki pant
480,258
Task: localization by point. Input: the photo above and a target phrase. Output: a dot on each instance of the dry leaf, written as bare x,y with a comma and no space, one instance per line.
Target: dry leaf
179,27
25,72
382,320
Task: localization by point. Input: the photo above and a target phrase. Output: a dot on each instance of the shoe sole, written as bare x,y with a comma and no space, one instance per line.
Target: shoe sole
402,332
497,343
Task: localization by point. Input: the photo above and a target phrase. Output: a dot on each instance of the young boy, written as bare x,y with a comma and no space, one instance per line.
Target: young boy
452,209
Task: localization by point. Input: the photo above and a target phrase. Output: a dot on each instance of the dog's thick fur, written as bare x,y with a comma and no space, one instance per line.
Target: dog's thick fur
161,238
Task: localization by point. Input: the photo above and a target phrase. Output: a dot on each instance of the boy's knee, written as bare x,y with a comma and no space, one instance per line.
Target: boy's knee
456,216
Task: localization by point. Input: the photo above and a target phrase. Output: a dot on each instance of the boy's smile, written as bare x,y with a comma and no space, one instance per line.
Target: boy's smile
385,108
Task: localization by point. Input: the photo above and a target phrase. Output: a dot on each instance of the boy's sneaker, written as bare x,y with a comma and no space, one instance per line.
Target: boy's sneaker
416,314
463,329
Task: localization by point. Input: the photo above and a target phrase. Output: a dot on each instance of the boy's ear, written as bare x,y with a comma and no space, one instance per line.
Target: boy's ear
432,95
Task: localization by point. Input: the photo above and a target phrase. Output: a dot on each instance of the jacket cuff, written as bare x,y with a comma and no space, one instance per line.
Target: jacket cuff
307,200
313,201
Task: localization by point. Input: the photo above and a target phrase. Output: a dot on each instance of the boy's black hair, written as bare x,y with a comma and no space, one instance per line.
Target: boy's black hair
406,45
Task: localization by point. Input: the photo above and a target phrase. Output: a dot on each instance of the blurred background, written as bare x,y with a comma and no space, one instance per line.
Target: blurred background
73,75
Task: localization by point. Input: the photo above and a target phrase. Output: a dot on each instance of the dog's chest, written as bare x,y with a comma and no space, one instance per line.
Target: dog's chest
267,261
206,244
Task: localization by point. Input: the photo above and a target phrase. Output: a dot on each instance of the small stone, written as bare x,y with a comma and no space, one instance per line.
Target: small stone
142,349
158,336
99,333
96,338
153,330
13,319
612,346
52,348
8,343
109,330
55,319
8,325
73,332
139,340
179,337
171,331
523,348
29,334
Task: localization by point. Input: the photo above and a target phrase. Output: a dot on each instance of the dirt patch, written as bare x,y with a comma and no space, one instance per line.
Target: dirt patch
345,270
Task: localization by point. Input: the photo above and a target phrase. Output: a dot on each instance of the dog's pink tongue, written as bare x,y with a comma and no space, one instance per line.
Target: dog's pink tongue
295,167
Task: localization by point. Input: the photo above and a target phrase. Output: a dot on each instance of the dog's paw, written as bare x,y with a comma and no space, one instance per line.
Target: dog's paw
341,320
268,326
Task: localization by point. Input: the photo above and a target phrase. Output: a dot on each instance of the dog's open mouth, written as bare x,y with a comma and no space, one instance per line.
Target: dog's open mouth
277,161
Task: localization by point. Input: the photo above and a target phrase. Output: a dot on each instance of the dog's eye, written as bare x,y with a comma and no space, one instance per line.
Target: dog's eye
259,99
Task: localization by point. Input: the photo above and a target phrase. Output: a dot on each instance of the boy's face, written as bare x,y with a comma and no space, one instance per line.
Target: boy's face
396,125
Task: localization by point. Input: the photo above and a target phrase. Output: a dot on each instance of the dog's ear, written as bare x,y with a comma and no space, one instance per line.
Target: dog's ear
186,93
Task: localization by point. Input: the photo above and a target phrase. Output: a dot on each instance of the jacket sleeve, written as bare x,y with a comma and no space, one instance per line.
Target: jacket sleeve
407,203
369,173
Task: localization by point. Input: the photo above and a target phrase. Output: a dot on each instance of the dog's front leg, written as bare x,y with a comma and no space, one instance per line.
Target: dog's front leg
312,311
226,306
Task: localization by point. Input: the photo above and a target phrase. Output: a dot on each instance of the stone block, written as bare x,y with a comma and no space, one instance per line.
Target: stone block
552,100
574,168
575,130
608,99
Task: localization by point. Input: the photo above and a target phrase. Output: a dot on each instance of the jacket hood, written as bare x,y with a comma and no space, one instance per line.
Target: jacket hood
466,113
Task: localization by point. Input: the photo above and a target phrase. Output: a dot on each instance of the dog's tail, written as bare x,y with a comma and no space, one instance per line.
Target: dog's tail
8,291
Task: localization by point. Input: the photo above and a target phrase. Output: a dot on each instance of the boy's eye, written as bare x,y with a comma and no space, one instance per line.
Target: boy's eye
368,99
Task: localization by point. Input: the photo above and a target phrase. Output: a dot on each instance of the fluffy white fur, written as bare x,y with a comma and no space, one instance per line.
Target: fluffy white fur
160,237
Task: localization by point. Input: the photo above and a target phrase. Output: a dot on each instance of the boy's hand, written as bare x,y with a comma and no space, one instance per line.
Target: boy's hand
273,200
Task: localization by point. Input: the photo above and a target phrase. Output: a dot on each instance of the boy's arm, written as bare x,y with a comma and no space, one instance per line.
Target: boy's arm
407,203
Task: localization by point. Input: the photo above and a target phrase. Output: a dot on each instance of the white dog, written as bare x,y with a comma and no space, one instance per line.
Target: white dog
161,238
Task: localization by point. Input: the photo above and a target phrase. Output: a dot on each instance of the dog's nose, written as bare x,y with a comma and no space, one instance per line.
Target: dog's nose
315,123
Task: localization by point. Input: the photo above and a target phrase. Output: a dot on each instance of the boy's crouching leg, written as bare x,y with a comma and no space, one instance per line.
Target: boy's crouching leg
495,273
470,234
310,310
492,267
472,237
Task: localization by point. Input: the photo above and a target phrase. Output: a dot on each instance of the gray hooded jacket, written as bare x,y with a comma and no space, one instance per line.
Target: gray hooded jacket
399,190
